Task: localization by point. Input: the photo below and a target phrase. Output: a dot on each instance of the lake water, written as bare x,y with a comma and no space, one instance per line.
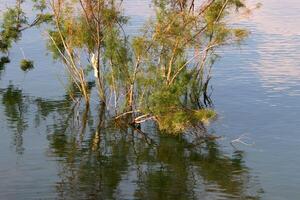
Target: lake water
51,150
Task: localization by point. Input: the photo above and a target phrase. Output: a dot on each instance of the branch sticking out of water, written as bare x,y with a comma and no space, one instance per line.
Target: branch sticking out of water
241,139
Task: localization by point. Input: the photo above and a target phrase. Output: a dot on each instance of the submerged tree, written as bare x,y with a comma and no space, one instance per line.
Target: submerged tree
173,59
162,74
89,30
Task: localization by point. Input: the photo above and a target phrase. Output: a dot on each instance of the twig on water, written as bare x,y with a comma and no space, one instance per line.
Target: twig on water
240,140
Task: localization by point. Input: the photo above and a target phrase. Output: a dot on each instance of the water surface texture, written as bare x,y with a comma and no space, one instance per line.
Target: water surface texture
51,149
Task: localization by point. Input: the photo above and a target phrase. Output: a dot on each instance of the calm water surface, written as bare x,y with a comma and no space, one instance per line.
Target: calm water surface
53,150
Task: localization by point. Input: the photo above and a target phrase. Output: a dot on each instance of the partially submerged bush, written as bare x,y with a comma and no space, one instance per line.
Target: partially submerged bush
161,74
178,121
26,65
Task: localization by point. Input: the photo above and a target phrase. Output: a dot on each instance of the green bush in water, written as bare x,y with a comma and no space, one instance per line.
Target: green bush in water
178,121
171,114
26,65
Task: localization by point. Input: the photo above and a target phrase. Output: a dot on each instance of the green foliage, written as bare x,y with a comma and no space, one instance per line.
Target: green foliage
26,65
13,18
139,46
116,52
173,80
40,5
15,21
178,121
240,34
172,114
55,48
42,18
164,72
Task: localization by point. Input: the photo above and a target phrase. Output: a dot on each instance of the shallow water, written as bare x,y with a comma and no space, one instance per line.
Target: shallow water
51,150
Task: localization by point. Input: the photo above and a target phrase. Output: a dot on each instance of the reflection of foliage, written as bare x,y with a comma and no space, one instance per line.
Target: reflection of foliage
96,158
3,61
95,166
180,171
15,109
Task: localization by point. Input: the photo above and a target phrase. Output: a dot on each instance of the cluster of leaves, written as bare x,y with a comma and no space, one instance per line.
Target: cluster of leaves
91,32
172,116
26,65
13,18
15,21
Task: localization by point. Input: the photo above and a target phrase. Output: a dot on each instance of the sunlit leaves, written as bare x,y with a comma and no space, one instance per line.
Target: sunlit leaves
13,19
164,72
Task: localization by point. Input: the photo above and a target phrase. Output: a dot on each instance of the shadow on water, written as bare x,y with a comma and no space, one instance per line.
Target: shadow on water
100,159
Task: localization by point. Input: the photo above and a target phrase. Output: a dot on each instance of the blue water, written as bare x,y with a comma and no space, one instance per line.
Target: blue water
256,93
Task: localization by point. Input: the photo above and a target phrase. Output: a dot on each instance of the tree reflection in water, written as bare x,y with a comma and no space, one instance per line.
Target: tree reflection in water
101,159
15,108
3,61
